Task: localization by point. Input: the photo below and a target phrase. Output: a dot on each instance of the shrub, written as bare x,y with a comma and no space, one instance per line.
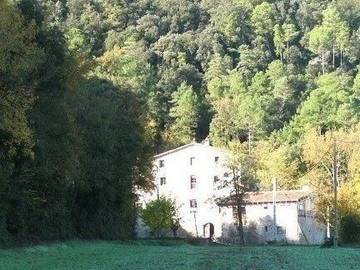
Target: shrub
350,228
161,216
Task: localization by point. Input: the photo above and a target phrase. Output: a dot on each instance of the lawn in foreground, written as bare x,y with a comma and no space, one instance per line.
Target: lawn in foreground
175,255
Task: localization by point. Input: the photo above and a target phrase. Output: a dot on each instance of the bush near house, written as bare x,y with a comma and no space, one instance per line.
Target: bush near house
350,229
161,217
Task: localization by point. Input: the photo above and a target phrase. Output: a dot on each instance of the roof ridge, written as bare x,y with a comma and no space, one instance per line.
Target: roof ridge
185,146
175,149
283,190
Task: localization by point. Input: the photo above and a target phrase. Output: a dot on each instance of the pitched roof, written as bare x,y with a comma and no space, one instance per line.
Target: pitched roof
281,196
181,148
176,149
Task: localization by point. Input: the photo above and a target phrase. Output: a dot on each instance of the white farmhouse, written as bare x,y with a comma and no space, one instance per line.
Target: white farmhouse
189,175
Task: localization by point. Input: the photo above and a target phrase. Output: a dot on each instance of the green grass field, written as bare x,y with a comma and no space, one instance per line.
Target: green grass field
175,255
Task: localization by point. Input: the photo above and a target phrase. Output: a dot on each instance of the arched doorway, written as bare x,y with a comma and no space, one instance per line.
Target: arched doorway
208,230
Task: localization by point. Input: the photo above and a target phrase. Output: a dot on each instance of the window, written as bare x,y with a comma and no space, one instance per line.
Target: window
192,182
301,210
161,163
216,179
162,181
193,204
242,211
139,205
192,161
216,160
281,230
266,228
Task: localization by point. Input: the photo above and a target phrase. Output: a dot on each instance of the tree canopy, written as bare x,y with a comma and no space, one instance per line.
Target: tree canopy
90,89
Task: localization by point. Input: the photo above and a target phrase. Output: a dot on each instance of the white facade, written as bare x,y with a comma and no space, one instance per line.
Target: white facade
189,175
290,222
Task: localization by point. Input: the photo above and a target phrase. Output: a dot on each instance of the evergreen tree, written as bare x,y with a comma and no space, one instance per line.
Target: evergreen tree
185,113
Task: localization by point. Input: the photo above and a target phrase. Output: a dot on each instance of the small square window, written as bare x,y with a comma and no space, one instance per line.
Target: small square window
193,204
281,230
192,161
192,182
139,205
242,211
161,163
162,181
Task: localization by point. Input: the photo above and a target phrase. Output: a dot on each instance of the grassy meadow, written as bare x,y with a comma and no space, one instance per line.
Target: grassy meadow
174,255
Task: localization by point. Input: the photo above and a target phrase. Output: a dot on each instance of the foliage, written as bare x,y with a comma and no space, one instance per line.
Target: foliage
318,152
331,105
185,115
350,229
110,81
276,163
73,146
239,180
160,216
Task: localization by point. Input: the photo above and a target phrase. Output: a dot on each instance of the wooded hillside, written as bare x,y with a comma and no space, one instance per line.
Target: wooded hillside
90,89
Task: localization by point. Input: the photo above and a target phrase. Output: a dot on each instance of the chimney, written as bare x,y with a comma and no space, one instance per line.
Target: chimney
305,188
206,141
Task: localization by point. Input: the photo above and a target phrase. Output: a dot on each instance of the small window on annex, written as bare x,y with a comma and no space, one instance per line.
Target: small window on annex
242,210
192,182
192,161
193,204
216,160
161,163
281,230
162,181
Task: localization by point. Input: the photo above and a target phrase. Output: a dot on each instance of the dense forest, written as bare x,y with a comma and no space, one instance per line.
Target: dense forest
90,89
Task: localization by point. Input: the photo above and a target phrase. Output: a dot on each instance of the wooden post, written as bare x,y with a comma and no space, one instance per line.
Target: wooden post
196,228
274,209
335,183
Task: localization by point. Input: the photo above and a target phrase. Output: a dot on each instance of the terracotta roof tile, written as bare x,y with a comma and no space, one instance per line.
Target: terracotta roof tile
281,196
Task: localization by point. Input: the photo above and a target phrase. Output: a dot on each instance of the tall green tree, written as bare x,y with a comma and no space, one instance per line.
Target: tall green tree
20,58
185,113
331,105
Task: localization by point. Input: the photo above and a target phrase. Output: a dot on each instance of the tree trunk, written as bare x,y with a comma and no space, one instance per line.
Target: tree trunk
239,203
249,141
341,56
240,226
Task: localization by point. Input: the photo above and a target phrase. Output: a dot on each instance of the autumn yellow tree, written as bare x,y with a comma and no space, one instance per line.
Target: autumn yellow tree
275,163
319,151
